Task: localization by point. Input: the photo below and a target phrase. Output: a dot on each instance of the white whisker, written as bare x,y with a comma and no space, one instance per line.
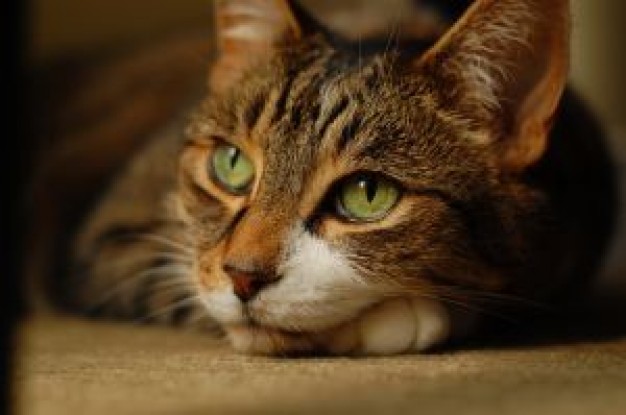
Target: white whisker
169,308
163,271
149,237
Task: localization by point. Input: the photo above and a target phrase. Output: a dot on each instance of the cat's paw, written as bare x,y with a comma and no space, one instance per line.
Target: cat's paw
397,326
392,327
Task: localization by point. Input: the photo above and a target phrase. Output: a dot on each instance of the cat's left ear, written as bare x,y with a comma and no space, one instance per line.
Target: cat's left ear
248,31
506,63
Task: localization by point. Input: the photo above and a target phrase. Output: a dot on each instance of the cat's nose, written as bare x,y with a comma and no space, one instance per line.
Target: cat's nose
246,284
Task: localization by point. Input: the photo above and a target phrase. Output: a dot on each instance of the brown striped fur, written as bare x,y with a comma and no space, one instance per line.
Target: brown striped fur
503,202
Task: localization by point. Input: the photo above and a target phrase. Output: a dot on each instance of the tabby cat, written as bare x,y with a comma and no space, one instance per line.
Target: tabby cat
353,196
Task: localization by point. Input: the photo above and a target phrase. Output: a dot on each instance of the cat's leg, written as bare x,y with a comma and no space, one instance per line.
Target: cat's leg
133,257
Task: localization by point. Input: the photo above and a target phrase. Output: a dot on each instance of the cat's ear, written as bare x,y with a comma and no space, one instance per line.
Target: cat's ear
250,30
507,63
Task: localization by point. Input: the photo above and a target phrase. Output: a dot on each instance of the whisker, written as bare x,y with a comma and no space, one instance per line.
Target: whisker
462,294
495,298
507,298
439,294
167,270
152,237
442,297
476,309
169,308
171,256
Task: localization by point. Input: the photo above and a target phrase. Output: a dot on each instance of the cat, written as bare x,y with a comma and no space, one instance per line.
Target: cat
345,196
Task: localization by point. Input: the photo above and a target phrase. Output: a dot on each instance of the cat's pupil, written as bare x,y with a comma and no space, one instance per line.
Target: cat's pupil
371,188
234,157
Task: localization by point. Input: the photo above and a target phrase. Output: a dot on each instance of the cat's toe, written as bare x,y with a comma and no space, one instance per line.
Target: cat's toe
433,324
387,329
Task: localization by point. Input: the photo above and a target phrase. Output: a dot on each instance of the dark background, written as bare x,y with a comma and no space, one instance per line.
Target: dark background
15,148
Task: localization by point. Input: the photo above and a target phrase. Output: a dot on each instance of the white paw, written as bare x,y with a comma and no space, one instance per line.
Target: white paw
392,327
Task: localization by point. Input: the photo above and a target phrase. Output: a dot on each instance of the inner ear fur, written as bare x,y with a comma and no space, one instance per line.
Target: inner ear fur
248,31
508,61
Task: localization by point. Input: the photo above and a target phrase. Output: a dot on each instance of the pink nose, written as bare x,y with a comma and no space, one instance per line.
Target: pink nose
245,284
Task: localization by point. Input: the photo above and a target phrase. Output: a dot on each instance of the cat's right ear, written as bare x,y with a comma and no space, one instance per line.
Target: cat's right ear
248,31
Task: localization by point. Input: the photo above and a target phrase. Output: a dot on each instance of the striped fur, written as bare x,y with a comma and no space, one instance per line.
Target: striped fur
487,221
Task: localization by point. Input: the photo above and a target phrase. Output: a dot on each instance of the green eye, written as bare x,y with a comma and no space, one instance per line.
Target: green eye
232,169
367,198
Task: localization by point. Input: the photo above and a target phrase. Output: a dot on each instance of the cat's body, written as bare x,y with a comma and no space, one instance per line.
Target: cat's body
487,207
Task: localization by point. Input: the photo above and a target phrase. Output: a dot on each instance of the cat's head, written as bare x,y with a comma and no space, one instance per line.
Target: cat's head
321,180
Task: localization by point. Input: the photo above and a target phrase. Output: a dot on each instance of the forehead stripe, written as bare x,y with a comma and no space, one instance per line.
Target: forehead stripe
338,108
348,132
255,110
281,103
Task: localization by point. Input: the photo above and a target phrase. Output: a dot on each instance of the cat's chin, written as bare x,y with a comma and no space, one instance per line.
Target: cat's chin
391,327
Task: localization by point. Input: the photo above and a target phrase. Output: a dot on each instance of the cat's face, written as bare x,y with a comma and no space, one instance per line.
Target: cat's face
337,202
